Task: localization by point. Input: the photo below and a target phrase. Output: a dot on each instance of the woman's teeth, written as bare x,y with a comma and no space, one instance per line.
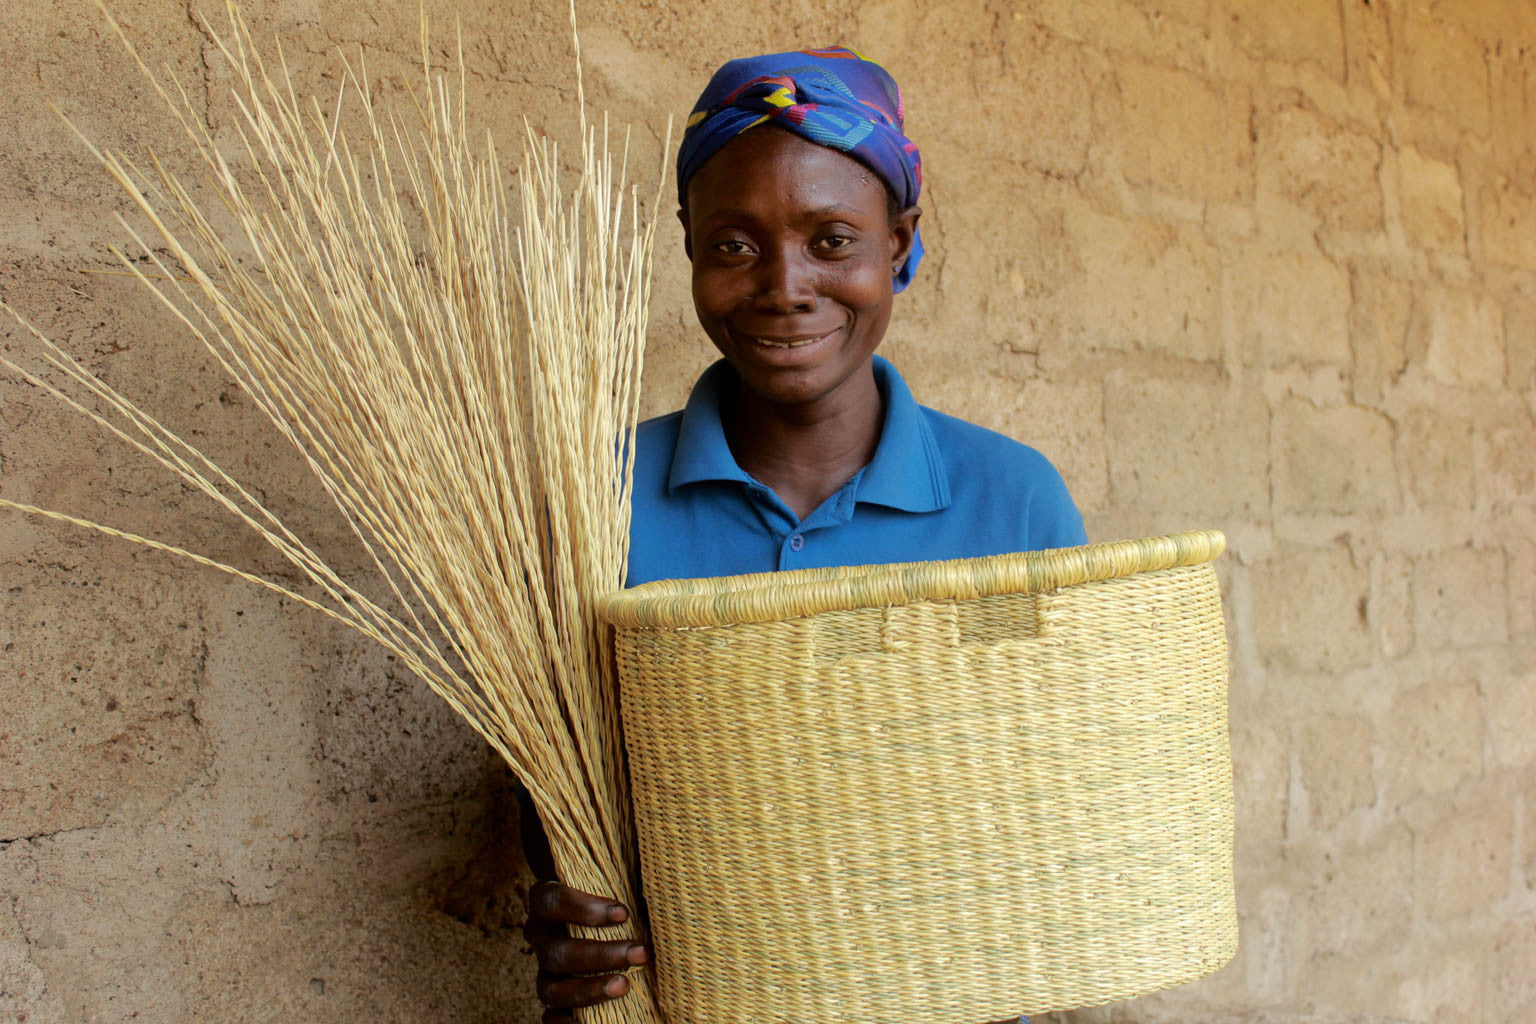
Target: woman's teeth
772,343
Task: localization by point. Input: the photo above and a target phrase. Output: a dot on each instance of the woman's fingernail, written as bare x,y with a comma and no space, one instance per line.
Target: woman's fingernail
635,954
616,987
617,914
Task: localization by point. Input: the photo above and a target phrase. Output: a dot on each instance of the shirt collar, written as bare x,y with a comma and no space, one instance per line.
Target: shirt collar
702,452
907,472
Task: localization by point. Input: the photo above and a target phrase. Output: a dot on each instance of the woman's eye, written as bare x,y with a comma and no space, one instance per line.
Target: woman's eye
733,247
836,242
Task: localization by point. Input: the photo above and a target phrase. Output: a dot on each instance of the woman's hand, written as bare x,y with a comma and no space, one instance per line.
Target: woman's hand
577,972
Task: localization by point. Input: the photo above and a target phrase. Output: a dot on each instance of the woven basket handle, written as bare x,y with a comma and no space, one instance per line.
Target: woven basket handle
765,597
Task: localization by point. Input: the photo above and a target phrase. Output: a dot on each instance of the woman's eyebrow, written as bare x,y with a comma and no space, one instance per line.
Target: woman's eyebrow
739,213
831,209
730,213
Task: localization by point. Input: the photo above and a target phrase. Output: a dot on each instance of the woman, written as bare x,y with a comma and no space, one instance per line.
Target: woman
800,447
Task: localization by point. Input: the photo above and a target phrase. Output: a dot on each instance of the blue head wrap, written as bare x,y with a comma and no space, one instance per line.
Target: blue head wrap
833,97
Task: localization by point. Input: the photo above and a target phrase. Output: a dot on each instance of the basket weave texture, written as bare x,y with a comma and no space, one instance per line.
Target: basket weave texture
935,793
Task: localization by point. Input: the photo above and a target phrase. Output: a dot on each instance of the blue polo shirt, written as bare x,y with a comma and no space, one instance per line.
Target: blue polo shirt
938,487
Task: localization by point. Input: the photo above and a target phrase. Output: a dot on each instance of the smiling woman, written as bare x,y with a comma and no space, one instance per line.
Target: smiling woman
800,448
793,257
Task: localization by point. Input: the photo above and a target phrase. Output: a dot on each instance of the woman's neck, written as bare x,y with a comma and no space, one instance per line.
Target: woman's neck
807,451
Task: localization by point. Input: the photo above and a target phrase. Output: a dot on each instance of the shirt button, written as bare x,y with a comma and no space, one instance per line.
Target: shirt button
796,542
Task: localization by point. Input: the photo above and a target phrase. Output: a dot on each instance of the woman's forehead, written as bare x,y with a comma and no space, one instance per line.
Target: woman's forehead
767,168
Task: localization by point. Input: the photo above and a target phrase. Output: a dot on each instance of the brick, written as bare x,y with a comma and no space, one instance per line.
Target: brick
1461,336
1306,31
383,957
1363,899
1446,988
1014,292
1437,453
1261,785
1522,589
1379,313
1162,31
1444,68
99,724
257,716
1465,862
1267,952
1309,607
1139,285
63,52
1512,72
1520,343
1183,450
1511,697
24,990
101,907
1436,738
131,924
1293,304
1327,170
1491,20
1350,988
377,725
1335,753
1529,790
1505,214
1335,460
1432,206
1391,607
1038,76
1512,995
1368,48
1506,465
1043,78
1183,136
1460,598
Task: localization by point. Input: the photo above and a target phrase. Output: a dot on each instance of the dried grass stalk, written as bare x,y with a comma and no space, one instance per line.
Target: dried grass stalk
462,375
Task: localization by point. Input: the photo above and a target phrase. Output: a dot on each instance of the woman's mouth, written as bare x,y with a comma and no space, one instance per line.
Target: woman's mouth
781,343
793,341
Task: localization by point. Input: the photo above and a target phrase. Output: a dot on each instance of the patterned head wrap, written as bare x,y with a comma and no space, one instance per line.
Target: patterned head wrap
833,97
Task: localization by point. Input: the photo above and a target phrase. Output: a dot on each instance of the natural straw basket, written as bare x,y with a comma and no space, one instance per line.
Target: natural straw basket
935,793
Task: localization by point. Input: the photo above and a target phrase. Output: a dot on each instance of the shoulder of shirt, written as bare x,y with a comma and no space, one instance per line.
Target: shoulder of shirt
983,465
658,427
966,446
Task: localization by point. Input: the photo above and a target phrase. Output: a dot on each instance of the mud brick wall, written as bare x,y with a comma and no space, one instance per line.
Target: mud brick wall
1268,267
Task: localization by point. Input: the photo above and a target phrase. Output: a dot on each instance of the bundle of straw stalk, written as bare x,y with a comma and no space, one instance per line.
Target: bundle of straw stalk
461,372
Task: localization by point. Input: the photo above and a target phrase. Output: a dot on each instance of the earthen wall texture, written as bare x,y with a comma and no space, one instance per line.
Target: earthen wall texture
1264,267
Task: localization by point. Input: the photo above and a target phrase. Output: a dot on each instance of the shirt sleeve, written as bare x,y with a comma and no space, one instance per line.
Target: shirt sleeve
1054,520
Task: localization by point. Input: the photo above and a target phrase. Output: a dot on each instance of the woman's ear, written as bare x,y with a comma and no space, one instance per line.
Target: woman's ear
903,233
682,216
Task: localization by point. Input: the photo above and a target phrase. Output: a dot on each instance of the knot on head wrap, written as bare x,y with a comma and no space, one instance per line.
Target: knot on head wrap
833,97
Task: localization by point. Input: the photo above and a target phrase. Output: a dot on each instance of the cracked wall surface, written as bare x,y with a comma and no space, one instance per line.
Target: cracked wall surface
1269,268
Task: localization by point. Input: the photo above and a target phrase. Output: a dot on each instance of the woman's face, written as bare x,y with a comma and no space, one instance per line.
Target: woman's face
793,252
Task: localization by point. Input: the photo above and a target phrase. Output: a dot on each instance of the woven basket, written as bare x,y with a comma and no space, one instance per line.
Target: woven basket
936,793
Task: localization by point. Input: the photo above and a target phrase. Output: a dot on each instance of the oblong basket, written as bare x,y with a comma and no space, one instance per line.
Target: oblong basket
934,793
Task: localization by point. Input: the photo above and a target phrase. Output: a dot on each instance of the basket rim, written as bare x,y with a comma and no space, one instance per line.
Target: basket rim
776,596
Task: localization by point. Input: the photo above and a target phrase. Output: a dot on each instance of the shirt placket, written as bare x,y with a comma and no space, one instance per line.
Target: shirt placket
797,544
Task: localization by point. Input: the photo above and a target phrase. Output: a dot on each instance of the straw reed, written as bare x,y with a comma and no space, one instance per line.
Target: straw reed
459,370
938,793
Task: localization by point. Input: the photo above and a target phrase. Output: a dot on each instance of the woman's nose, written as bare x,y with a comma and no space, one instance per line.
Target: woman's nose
784,282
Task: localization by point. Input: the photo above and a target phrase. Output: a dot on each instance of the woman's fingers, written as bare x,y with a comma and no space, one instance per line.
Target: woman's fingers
577,972
560,991
554,901
590,956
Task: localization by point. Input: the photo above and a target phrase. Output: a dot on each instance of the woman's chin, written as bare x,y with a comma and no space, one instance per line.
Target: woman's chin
785,379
